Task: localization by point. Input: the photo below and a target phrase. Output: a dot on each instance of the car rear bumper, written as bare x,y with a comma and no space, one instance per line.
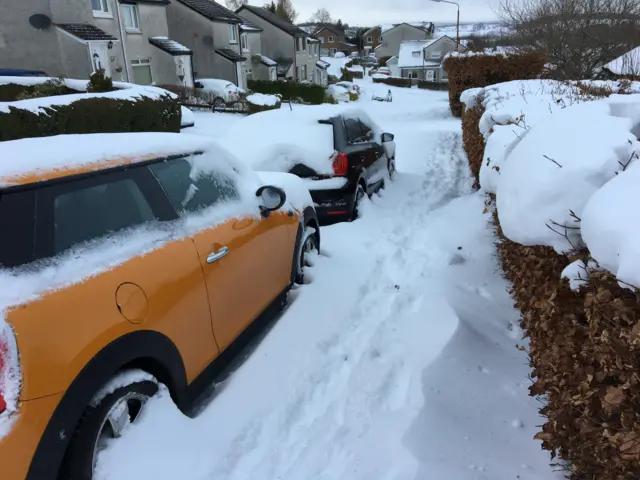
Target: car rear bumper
333,205
18,447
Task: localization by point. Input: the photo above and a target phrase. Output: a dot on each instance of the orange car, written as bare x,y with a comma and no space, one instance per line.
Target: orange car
127,260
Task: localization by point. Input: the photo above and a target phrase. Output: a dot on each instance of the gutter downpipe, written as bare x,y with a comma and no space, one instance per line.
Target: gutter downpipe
123,41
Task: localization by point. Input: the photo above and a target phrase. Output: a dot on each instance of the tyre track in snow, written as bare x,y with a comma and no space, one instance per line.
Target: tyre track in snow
363,375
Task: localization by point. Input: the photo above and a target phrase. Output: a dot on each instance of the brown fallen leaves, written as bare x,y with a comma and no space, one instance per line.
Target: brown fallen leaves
585,354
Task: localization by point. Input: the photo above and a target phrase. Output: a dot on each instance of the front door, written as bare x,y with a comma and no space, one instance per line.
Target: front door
99,53
246,259
430,76
239,75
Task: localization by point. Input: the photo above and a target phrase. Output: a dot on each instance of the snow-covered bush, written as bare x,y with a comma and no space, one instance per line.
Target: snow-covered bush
260,102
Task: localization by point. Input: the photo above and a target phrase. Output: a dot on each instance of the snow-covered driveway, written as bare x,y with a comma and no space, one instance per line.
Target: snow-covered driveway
397,360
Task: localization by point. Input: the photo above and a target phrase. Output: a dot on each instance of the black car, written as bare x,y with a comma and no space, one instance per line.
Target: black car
363,159
12,72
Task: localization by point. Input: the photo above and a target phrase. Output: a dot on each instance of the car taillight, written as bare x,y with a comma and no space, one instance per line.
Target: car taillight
340,165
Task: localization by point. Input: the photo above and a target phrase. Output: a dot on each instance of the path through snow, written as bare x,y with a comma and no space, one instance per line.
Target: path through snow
396,362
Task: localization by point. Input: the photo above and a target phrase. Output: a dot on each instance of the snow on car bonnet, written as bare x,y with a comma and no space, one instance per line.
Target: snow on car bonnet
277,140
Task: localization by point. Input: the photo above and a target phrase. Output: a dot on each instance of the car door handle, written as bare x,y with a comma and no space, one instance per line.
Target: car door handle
215,256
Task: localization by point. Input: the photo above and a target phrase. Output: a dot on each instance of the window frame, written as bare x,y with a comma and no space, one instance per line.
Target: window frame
348,133
244,42
135,17
436,54
370,39
105,10
44,241
332,39
232,33
321,40
142,62
21,224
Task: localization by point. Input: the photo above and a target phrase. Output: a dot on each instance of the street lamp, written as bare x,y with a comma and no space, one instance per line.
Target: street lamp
457,22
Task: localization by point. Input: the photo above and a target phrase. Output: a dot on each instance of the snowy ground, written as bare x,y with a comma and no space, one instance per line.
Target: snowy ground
398,359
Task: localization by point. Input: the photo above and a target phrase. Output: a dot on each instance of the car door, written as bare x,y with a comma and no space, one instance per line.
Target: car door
358,148
137,275
377,154
246,258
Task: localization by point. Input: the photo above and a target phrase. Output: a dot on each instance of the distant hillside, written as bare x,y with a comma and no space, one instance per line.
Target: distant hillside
476,29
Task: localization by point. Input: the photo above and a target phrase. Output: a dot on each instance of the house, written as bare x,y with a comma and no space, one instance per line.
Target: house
333,40
213,33
394,35
371,39
257,66
295,51
625,66
129,40
422,59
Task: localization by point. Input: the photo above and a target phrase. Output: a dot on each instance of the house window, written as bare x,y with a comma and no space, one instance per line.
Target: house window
100,7
233,36
331,39
142,71
444,76
312,77
130,17
415,53
414,74
303,72
334,51
369,39
321,39
244,42
436,54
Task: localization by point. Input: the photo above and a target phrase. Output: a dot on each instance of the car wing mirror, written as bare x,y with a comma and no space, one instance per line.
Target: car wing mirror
387,137
272,198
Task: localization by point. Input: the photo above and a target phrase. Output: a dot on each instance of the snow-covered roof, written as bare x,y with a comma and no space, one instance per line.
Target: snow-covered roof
421,25
267,61
170,46
627,64
412,53
54,156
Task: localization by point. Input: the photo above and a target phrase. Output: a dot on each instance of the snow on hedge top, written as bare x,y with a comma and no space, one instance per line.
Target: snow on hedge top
263,99
277,140
125,91
497,51
558,165
26,156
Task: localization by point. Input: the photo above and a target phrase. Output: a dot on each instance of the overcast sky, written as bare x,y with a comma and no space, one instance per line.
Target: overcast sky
372,12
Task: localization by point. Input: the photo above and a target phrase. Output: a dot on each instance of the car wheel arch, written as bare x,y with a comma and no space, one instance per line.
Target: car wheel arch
138,349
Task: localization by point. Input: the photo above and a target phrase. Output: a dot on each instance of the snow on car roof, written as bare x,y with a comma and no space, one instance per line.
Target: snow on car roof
277,140
214,81
31,160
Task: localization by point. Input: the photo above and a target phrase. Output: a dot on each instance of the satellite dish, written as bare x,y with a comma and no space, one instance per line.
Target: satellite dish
207,40
40,21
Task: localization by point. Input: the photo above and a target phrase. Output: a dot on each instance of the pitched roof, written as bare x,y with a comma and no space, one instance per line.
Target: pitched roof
407,57
170,46
332,28
230,55
212,10
424,26
273,20
267,61
85,31
248,27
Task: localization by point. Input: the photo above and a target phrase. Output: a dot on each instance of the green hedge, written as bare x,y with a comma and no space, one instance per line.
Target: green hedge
93,115
433,85
308,93
254,108
11,92
394,81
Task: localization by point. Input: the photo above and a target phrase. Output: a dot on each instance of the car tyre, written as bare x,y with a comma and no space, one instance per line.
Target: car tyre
99,422
391,168
357,198
309,246
218,104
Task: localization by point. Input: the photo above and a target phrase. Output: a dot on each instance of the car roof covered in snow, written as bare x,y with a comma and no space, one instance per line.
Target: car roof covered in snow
277,140
31,160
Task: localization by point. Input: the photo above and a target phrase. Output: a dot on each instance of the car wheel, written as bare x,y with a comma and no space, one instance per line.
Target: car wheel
357,198
309,246
237,107
219,103
101,423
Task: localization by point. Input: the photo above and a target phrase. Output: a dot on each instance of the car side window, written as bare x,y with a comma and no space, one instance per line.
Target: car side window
367,131
354,130
85,211
192,193
17,214
198,85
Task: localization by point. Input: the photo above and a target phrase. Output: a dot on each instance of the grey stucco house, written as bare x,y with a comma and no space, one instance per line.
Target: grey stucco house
296,52
212,32
422,59
129,39
394,36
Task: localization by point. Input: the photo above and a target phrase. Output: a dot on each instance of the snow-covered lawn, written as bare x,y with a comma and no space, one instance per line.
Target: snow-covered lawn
396,361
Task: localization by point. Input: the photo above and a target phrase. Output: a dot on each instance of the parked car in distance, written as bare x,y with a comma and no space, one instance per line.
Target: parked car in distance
340,153
134,259
339,93
11,72
223,92
383,71
350,86
381,93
